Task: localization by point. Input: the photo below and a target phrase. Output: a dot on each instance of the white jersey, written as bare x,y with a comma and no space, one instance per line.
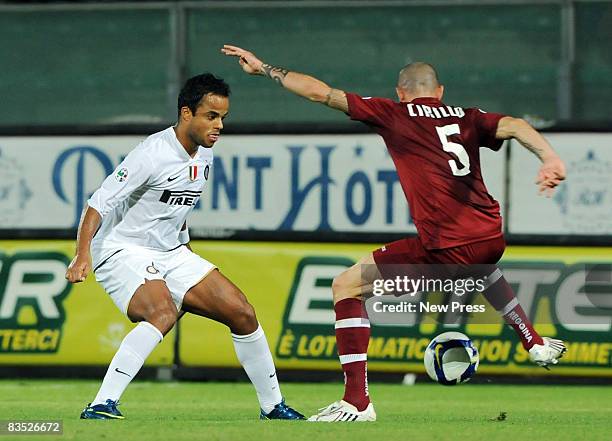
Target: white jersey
146,200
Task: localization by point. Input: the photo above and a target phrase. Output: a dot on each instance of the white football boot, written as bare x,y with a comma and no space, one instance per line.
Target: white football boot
547,353
341,411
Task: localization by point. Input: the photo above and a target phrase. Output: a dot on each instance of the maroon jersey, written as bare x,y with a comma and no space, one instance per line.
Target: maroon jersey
435,149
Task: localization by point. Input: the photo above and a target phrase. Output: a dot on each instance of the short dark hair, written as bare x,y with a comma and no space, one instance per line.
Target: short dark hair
197,87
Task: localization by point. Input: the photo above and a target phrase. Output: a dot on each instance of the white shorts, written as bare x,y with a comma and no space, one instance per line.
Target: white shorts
122,273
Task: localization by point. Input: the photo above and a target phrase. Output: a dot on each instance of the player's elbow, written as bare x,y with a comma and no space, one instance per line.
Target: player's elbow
520,125
317,96
318,92
509,127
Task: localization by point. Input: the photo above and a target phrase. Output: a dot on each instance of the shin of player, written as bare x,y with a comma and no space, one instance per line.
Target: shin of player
501,296
352,339
543,351
254,355
131,355
156,313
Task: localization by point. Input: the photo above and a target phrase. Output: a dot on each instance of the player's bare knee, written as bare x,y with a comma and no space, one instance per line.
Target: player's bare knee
163,318
163,314
339,284
244,320
343,288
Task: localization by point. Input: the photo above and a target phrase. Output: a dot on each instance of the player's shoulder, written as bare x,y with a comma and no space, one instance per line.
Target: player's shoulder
206,153
383,108
483,118
376,100
471,109
477,111
155,144
157,139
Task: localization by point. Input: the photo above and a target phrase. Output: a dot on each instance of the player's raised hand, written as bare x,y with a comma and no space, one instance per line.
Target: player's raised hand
551,174
249,62
78,269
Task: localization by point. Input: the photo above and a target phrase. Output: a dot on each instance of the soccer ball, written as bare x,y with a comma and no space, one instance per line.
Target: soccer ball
451,358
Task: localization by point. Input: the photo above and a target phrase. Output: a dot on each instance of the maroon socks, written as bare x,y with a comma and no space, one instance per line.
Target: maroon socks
352,339
501,296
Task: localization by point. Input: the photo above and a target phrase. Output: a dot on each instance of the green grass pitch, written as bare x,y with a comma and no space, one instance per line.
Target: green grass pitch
229,411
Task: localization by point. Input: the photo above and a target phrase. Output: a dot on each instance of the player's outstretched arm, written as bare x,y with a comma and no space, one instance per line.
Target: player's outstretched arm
552,171
300,84
81,264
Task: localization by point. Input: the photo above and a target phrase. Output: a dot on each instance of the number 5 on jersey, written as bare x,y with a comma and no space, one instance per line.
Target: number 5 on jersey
452,147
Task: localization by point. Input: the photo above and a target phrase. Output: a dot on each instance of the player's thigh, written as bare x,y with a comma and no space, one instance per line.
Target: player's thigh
217,298
201,289
152,302
135,284
486,252
477,259
404,257
122,274
184,270
406,251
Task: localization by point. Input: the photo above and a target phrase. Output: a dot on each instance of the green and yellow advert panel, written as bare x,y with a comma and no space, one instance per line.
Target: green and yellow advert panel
46,321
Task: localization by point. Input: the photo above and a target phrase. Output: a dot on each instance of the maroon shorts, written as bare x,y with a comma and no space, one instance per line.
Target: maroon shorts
411,251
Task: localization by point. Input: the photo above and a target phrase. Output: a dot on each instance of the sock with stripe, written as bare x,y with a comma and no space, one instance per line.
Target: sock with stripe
254,354
352,339
501,296
129,358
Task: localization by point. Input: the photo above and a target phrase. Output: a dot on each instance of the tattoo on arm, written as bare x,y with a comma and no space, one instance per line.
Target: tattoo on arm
278,74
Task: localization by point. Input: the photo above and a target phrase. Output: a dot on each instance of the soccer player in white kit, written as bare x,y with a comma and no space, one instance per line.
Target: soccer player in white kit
134,234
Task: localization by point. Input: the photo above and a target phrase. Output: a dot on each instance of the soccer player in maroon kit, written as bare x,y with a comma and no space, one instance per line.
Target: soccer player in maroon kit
435,149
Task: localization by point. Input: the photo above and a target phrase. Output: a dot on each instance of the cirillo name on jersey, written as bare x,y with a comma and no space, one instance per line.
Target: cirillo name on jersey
435,112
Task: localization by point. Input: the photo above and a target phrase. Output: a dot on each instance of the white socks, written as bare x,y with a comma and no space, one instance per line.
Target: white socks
254,355
134,350
252,351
